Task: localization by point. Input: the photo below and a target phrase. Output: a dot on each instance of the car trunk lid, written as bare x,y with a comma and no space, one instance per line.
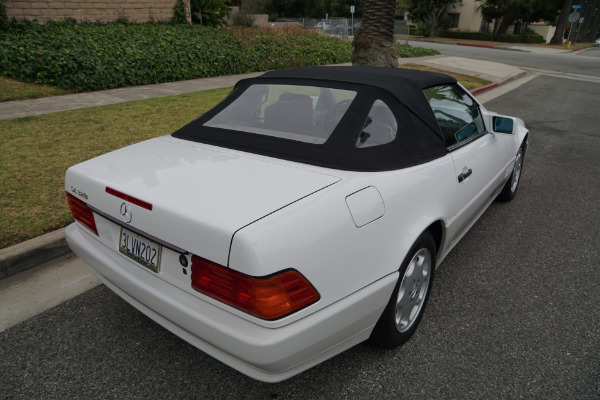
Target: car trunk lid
200,195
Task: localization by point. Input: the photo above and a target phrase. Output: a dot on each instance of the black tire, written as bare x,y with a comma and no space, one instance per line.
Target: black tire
509,191
389,332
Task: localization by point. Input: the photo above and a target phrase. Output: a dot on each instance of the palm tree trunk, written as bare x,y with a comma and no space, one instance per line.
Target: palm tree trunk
374,41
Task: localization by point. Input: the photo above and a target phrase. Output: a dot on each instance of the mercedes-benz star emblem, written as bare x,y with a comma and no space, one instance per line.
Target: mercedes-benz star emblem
126,213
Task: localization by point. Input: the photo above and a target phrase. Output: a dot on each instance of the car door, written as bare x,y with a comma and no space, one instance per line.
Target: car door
479,156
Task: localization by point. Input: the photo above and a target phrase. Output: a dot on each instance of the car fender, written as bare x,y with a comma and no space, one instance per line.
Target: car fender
318,236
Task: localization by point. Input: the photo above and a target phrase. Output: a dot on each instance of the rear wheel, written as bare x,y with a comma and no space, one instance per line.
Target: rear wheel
509,191
407,304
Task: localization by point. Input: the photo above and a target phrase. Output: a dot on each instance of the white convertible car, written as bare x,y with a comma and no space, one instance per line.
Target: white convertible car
304,214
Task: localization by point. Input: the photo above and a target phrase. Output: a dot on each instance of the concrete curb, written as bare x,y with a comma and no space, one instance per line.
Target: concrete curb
487,46
512,78
33,252
483,88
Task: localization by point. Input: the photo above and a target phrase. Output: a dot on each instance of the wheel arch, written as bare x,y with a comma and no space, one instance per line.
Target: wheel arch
525,143
437,231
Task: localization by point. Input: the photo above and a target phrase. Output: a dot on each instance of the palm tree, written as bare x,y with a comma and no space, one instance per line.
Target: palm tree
374,41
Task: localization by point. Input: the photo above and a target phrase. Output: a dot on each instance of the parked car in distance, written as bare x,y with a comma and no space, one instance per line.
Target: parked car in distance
304,214
323,25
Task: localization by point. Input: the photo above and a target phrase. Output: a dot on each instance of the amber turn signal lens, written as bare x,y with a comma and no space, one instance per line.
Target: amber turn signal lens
269,297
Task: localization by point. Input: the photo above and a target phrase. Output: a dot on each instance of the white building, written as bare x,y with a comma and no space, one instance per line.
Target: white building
465,16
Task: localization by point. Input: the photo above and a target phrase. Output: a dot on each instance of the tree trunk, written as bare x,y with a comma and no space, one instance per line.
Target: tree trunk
374,41
591,22
432,17
562,22
496,25
506,21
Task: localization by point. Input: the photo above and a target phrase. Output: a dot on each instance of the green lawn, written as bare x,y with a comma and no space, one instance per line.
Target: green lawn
469,82
36,151
12,89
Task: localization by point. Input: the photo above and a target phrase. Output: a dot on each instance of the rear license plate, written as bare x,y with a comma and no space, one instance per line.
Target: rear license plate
140,249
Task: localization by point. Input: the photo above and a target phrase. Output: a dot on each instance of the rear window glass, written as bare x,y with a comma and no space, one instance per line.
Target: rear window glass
379,128
302,113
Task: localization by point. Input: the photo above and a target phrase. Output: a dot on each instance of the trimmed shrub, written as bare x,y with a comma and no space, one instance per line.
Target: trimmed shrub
500,37
407,51
87,57
179,13
3,17
423,29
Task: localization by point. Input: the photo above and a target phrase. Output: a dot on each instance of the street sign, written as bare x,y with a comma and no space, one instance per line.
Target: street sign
574,17
577,6
352,12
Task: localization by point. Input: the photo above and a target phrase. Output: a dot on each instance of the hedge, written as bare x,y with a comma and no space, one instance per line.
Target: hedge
94,56
499,37
407,51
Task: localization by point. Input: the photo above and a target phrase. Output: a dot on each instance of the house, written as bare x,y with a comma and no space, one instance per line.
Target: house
466,17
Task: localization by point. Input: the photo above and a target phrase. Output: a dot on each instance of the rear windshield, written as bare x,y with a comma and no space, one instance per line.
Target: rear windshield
306,114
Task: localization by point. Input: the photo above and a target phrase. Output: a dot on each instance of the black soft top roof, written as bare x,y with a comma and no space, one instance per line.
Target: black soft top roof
418,140
401,82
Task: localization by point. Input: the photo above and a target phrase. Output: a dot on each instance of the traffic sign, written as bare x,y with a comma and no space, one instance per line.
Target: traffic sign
574,17
576,6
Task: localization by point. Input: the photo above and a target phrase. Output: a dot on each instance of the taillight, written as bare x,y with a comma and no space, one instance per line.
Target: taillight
82,213
268,297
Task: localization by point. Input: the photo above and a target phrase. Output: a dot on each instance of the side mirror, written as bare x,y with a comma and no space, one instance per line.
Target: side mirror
503,124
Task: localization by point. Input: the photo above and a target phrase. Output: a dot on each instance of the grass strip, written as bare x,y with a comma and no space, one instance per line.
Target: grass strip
12,89
36,151
469,82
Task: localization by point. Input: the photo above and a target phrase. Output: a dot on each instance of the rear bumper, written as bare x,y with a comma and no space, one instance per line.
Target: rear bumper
266,354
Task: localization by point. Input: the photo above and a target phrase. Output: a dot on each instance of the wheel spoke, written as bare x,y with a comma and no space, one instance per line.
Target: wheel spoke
413,290
516,175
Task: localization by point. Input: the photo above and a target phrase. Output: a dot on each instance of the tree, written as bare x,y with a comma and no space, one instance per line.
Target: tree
562,22
209,12
429,11
589,30
491,11
374,41
433,10
517,10
296,8
3,17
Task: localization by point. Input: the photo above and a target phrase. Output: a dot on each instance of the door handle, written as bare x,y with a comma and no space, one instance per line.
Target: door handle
465,175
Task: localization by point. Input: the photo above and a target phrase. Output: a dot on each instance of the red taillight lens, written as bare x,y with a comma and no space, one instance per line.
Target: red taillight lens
269,298
82,213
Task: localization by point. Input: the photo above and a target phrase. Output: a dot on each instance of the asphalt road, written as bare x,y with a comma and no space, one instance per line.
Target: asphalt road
584,62
513,314
591,52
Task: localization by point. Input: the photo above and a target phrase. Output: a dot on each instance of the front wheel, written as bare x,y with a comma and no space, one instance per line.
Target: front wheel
509,190
405,308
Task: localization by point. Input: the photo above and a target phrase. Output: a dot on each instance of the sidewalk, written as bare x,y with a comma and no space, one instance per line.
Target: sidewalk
494,72
36,251
530,48
27,108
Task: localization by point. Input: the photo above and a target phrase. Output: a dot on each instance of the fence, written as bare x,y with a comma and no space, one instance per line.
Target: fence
345,28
